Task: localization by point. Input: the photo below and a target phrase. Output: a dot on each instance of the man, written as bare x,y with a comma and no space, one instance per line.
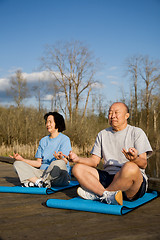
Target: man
124,149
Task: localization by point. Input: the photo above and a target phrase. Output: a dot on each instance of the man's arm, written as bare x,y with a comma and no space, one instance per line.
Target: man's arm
92,161
132,155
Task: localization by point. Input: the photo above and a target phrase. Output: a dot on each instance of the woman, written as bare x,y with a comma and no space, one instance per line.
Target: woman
49,168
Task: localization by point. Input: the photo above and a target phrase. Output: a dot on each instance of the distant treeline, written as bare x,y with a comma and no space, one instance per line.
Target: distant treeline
22,128
26,126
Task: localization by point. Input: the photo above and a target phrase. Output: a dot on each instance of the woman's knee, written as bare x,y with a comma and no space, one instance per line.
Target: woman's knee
59,163
17,164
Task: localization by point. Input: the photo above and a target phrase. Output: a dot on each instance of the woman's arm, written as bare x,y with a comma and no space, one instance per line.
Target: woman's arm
34,163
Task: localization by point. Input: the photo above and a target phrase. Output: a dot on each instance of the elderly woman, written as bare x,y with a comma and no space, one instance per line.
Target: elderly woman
49,169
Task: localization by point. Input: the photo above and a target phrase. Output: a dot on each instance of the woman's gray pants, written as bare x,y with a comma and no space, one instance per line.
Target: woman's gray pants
56,173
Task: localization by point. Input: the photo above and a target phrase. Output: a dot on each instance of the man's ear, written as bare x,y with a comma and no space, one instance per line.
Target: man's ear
127,115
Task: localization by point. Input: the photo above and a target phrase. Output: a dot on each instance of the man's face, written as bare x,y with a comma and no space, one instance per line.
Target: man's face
118,116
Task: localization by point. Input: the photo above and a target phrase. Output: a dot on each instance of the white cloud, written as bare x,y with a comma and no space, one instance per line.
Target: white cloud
49,97
36,76
113,68
99,74
114,83
61,94
30,77
111,77
4,84
97,85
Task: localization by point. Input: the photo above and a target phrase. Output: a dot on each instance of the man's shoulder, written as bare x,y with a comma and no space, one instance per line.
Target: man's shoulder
105,131
134,129
136,132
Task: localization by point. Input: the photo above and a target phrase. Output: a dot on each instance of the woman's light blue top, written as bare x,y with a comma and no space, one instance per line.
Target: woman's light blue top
48,146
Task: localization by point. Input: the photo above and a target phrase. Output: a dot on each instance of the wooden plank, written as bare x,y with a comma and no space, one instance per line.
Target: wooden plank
23,216
154,184
7,159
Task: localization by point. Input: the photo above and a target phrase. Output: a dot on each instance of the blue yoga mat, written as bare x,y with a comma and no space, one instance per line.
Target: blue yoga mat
98,207
36,190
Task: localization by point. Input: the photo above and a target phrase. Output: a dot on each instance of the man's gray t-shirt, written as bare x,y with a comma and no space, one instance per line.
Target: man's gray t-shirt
109,144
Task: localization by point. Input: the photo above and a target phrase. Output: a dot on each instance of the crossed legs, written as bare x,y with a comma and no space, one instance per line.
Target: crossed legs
26,172
56,173
128,179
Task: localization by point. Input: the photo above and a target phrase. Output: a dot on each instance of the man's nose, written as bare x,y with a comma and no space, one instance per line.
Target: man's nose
113,115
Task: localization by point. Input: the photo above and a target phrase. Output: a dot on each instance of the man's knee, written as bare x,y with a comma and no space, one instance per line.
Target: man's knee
130,169
77,169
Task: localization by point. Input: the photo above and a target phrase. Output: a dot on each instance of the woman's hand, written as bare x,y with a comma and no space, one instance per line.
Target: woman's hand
72,157
58,155
61,156
17,156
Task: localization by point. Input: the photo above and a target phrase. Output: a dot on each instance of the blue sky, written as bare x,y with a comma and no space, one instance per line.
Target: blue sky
113,30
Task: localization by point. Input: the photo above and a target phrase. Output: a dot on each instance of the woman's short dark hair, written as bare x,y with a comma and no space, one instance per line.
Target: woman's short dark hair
59,120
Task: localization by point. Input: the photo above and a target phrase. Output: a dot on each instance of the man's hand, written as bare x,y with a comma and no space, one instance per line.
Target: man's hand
17,156
73,157
131,155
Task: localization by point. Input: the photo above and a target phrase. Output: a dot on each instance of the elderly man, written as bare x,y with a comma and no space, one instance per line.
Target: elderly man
124,149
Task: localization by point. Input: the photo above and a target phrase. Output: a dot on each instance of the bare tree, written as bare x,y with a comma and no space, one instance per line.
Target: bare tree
54,90
131,106
18,89
73,66
39,91
132,64
150,74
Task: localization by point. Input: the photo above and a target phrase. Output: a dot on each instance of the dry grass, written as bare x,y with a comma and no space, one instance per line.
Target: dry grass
29,150
26,150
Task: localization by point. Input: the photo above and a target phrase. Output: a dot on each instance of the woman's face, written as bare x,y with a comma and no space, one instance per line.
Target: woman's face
50,124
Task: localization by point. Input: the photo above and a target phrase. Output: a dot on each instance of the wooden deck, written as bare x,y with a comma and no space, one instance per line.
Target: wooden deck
23,216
